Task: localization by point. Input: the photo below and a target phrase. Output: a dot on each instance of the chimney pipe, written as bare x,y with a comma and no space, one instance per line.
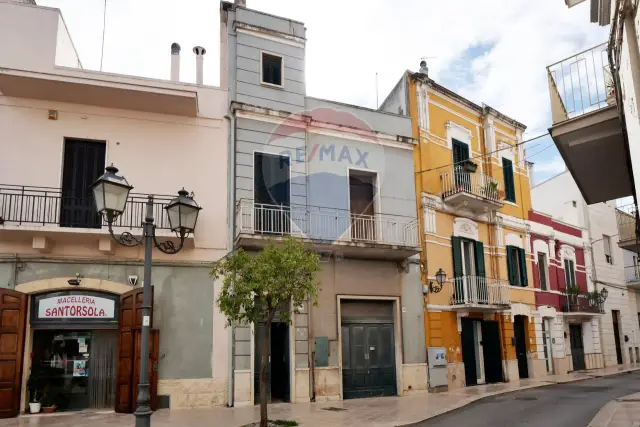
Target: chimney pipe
199,51
175,62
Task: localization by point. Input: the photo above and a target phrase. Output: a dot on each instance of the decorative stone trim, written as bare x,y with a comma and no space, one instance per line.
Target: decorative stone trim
61,283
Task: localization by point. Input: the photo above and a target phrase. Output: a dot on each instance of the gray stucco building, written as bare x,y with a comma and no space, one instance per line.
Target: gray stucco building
340,177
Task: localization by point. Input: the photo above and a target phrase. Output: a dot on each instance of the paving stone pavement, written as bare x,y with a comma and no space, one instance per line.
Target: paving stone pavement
623,412
374,412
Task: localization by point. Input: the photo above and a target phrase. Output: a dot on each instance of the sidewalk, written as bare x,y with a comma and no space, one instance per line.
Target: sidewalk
623,412
376,412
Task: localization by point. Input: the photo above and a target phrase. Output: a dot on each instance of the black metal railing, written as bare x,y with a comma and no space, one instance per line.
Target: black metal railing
582,304
20,204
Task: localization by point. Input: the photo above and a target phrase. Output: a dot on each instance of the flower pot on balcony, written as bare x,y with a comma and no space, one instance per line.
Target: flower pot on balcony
34,407
469,166
574,307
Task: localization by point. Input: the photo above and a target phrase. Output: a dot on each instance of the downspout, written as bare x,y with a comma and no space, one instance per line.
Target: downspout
231,147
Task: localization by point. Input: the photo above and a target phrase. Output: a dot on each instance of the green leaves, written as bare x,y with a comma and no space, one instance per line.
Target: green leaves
257,285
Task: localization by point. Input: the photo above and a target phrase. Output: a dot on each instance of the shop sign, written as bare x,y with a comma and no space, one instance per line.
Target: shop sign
75,306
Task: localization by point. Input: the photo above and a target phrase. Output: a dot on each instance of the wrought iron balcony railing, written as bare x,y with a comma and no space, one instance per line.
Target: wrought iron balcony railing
632,273
627,218
325,224
459,180
582,304
477,290
43,206
580,84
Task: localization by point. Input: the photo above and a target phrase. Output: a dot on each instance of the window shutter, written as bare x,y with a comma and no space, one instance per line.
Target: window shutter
460,152
480,270
512,278
523,268
456,246
509,187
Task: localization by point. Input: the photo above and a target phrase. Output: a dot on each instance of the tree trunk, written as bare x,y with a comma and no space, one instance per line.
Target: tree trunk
263,374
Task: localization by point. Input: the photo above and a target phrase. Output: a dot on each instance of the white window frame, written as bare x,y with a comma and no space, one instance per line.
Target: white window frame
606,243
545,271
262,82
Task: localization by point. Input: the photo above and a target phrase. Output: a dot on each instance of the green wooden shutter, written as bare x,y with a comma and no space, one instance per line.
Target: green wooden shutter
509,186
456,246
510,268
460,151
480,270
523,268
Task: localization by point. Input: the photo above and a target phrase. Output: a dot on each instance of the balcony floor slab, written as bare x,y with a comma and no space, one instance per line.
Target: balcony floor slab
346,249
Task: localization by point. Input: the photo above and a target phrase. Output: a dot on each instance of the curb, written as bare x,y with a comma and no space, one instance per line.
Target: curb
542,384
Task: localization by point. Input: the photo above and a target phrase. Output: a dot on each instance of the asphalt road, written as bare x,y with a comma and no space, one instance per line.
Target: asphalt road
560,405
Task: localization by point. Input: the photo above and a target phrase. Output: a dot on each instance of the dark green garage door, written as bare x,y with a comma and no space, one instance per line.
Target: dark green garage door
368,357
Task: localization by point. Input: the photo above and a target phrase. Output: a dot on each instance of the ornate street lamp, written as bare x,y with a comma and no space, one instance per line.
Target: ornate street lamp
441,277
110,193
604,293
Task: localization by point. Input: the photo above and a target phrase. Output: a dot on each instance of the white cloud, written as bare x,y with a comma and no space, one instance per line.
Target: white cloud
551,167
349,41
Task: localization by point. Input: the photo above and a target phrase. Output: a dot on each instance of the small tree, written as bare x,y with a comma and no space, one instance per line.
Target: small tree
256,287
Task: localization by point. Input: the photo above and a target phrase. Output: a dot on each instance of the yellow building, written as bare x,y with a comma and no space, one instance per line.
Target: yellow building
472,185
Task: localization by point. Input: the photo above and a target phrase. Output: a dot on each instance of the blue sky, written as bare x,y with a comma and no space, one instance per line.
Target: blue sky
493,52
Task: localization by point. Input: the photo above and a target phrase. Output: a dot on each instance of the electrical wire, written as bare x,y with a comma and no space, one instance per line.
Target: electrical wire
509,147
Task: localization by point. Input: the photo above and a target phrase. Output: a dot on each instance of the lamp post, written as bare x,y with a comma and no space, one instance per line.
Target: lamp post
110,193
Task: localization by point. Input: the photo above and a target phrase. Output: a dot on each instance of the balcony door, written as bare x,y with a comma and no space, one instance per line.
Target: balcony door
84,162
460,154
361,204
470,286
272,193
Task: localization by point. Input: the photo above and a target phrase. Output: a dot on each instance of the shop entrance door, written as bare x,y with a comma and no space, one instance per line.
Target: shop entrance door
74,370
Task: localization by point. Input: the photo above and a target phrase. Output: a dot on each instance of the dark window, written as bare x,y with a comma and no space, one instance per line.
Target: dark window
509,187
542,269
460,152
569,272
271,193
607,249
83,164
517,266
361,201
271,69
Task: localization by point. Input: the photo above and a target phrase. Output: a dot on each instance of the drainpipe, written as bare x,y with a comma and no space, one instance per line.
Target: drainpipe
231,134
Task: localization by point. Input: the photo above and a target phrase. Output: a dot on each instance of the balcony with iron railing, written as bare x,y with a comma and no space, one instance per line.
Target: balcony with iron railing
334,230
627,218
53,209
586,127
632,276
479,293
475,191
582,306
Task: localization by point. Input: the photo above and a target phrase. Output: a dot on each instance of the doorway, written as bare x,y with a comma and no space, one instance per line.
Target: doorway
83,164
278,363
577,347
616,334
520,333
362,195
74,370
368,348
546,344
272,193
481,351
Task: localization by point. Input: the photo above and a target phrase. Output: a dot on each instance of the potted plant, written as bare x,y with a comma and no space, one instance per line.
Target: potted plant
491,190
35,384
573,292
469,166
49,402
